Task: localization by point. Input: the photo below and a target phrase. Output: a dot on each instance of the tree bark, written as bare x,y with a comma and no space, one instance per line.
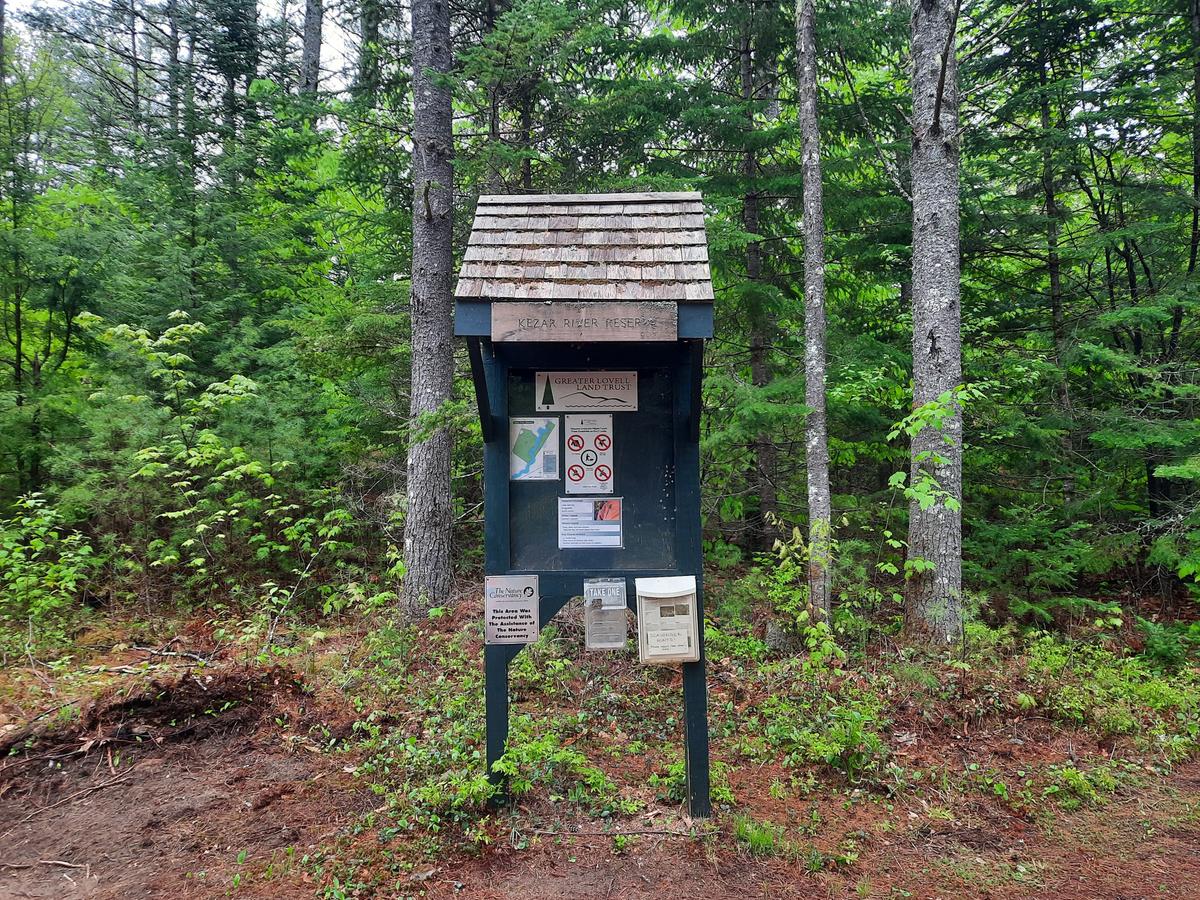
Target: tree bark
310,55
370,19
1054,274
1194,251
816,442
526,127
427,529
762,535
173,95
933,601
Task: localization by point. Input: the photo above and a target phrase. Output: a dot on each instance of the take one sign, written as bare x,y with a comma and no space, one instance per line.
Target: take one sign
589,454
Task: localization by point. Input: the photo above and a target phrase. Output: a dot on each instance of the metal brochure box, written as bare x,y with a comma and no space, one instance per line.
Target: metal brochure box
668,620
605,614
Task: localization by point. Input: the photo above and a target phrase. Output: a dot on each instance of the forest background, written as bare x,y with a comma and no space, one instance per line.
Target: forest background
206,229
209,277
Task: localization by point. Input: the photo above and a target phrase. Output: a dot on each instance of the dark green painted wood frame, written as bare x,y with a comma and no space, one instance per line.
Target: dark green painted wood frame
490,365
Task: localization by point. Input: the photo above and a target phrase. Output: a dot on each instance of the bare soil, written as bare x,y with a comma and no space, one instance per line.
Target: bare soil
218,780
170,791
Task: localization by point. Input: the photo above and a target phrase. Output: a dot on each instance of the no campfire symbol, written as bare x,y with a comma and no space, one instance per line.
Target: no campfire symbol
589,453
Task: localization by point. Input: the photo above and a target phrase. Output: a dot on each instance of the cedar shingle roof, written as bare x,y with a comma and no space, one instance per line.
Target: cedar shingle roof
587,247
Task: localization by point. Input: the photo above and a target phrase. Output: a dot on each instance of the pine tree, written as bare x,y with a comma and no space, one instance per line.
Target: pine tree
816,443
429,519
933,602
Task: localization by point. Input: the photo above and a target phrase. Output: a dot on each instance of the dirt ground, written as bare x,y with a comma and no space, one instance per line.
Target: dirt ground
1142,846
230,781
169,792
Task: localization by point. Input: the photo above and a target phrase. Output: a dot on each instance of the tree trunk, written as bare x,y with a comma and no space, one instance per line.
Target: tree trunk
370,20
135,73
427,528
933,602
1194,11
816,444
173,95
1054,273
310,56
763,532
527,137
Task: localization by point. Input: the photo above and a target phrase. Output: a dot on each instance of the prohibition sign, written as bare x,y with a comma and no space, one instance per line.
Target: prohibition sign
603,473
575,473
603,442
575,442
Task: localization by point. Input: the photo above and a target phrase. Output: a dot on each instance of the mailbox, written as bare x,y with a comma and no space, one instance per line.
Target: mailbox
585,317
669,628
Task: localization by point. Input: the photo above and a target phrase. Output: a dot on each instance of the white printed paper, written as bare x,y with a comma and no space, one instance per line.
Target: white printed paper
589,453
590,523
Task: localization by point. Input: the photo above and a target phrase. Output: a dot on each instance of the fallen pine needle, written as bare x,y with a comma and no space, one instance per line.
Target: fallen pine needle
84,792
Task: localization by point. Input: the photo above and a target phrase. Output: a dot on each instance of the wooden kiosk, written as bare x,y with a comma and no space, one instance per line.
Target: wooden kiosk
585,317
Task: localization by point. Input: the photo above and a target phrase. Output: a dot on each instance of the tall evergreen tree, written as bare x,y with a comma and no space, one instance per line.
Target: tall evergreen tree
933,602
430,519
816,441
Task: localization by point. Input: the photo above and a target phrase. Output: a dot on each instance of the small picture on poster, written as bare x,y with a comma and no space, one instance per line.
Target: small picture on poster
590,523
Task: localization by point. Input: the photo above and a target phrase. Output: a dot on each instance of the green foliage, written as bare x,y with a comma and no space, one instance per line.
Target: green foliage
1073,787
672,784
760,838
839,731
1116,694
45,569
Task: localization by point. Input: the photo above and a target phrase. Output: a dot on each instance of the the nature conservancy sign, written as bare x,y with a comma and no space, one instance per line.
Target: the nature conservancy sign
584,322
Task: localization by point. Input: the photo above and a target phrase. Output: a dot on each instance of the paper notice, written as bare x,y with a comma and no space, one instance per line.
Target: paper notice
589,523
669,628
589,454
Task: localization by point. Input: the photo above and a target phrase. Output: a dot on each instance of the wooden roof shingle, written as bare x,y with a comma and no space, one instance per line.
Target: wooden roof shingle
587,247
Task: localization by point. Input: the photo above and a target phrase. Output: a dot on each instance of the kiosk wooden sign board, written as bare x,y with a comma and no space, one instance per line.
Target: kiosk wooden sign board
585,317
578,322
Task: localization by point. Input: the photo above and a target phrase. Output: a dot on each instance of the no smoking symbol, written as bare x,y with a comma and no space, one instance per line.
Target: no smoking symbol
603,473
603,442
575,442
575,473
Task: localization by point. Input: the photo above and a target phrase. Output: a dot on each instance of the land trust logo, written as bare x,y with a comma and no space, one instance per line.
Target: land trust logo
585,391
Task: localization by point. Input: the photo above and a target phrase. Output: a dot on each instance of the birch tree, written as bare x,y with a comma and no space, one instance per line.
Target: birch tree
933,601
816,444
428,524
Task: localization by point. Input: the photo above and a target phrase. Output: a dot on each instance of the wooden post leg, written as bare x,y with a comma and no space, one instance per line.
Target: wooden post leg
495,679
695,723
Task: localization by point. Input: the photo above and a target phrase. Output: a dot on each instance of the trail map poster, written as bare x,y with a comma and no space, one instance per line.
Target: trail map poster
533,449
